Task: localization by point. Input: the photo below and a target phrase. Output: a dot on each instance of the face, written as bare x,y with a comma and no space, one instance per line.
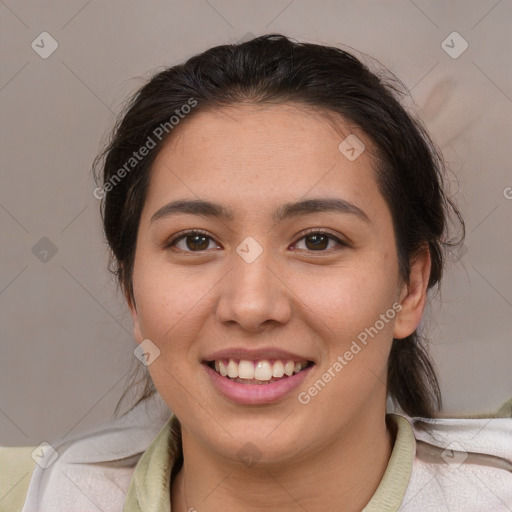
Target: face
271,287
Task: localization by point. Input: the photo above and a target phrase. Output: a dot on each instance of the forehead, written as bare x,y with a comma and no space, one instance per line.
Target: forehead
252,155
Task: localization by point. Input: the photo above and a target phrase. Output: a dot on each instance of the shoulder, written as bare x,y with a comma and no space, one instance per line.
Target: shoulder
461,464
89,472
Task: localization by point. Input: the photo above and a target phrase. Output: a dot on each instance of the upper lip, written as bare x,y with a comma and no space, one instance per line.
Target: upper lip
254,354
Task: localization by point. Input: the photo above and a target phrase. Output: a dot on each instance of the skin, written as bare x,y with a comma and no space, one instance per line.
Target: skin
309,301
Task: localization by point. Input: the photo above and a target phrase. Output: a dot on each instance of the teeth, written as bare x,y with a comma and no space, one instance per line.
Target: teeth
246,370
262,371
223,369
232,369
278,369
289,367
299,367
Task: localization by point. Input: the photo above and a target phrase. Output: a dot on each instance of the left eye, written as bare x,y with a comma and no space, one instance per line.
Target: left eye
319,240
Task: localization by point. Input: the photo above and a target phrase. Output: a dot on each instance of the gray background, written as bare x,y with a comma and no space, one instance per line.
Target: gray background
66,341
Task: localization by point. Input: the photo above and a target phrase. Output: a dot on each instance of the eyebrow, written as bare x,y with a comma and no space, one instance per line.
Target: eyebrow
285,211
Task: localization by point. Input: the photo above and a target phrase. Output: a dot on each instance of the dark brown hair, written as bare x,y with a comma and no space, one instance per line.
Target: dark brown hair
274,69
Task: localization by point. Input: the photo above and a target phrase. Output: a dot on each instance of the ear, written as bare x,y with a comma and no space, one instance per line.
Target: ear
413,296
135,317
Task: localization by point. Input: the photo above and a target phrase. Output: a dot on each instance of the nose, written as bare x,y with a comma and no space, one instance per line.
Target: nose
254,295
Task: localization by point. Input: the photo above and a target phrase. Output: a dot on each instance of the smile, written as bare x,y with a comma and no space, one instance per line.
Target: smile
262,371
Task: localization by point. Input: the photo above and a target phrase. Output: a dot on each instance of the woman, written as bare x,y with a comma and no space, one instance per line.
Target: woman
276,220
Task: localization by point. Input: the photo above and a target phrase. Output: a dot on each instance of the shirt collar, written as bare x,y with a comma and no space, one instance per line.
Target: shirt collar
149,489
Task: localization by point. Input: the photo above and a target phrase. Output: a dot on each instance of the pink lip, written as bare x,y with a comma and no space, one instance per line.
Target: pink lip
253,355
254,394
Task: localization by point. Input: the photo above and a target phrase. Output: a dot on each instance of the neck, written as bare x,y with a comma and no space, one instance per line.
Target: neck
348,471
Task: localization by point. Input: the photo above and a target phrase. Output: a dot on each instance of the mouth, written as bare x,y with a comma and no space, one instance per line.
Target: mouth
258,372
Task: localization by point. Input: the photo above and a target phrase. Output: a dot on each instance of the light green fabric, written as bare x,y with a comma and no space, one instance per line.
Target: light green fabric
149,489
16,467
392,487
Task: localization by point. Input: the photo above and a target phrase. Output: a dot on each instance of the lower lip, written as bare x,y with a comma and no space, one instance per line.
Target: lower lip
256,393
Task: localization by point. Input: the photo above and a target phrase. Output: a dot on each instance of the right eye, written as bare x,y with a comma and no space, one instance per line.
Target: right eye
191,241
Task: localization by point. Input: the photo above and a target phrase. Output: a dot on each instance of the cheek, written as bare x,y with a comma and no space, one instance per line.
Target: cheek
171,309
354,315
170,302
168,290
345,300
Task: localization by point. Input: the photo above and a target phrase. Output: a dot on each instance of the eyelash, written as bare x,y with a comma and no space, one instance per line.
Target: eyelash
191,232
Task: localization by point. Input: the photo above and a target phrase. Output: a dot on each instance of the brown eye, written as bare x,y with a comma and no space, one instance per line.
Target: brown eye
192,241
318,241
199,242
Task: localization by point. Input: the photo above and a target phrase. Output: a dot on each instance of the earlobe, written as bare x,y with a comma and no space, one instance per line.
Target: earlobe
413,296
